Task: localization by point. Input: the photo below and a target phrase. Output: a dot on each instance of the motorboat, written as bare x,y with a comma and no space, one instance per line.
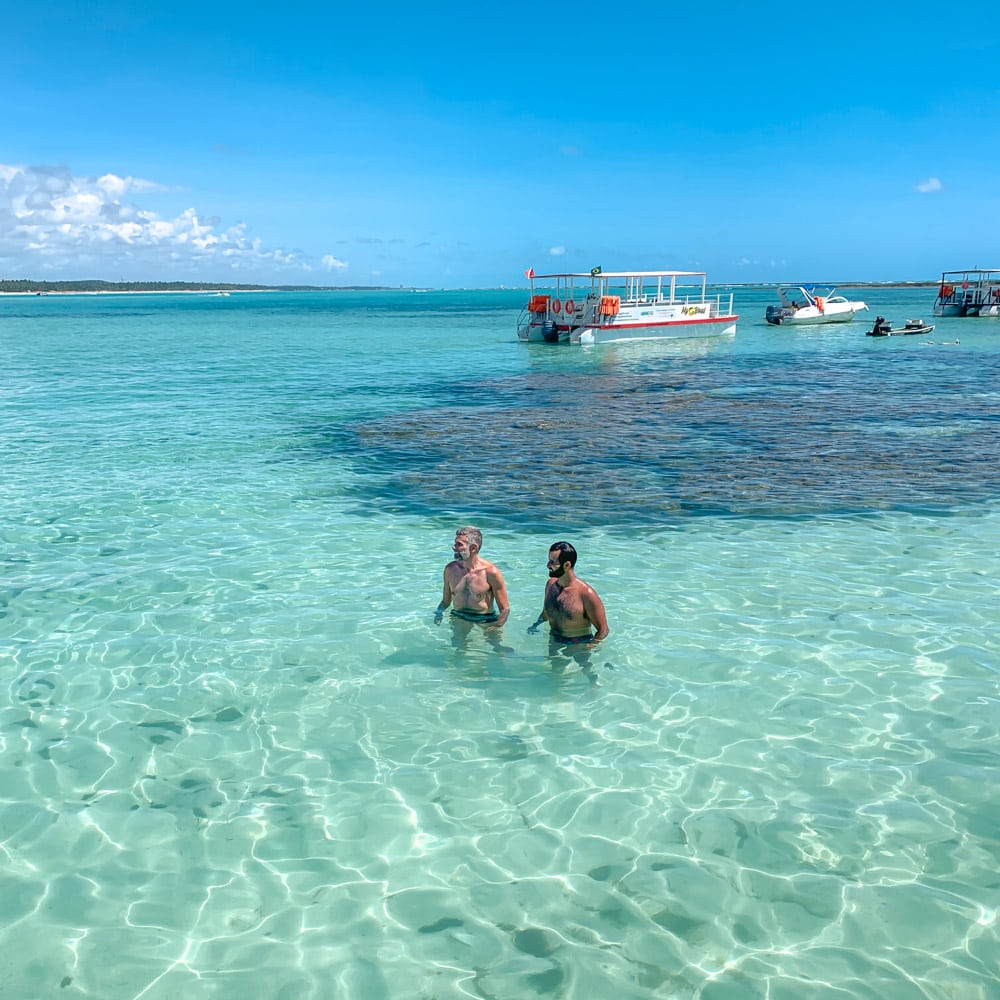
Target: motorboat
802,305
974,292
600,307
883,328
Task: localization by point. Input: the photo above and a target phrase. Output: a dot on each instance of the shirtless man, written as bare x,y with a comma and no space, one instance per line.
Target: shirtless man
571,607
473,584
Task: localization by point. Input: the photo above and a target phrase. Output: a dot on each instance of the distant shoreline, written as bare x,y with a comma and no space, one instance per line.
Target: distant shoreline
137,291
27,286
851,284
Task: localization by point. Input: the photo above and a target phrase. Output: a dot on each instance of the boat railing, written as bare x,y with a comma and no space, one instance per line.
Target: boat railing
721,304
601,305
717,306
523,323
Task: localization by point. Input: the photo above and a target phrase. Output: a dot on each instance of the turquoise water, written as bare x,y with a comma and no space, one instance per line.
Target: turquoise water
239,760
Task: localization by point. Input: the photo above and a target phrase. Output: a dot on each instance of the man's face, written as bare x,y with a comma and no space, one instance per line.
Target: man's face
556,559
463,548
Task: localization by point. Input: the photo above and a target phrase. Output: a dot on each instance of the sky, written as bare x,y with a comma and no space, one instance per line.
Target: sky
457,145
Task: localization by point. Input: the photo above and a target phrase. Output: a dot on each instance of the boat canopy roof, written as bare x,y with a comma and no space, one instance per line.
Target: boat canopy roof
969,271
624,274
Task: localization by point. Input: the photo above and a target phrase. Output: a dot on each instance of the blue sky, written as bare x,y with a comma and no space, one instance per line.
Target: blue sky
456,146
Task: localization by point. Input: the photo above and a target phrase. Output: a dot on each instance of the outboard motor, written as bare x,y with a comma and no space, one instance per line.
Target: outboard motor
880,328
550,332
774,315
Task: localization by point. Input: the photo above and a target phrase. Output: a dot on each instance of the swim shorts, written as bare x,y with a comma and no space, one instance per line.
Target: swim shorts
570,640
479,617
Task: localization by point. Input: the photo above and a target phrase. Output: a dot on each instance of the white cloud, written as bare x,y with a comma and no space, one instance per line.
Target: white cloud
929,186
330,263
53,222
116,187
556,251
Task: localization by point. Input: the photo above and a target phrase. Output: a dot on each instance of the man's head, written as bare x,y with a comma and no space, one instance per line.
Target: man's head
561,553
468,541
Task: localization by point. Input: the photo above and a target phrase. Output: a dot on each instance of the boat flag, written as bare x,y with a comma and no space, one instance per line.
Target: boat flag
530,273
595,271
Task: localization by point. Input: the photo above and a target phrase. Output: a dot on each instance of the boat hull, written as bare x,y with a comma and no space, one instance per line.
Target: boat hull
910,329
613,333
949,310
811,316
719,326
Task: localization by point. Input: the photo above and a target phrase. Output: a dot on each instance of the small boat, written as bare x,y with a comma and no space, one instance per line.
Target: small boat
973,292
883,328
809,305
603,307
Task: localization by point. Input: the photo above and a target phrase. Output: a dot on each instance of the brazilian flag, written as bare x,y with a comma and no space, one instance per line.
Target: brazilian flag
595,271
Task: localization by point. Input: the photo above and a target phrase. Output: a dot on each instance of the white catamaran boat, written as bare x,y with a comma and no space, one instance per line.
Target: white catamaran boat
601,307
811,304
975,292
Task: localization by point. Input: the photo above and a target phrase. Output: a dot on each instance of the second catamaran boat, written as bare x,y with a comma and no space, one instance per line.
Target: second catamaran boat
975,292
605,306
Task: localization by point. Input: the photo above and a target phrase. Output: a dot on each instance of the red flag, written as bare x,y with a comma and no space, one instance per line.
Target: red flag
530,273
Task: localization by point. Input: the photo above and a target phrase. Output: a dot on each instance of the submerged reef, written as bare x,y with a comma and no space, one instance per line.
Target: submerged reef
607,447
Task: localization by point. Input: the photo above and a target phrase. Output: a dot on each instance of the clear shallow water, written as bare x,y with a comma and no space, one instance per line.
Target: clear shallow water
239,760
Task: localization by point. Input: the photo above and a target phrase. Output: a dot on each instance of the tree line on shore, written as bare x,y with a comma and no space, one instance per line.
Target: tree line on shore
95,285
29,286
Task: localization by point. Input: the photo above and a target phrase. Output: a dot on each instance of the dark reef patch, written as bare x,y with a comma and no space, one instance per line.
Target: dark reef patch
717,436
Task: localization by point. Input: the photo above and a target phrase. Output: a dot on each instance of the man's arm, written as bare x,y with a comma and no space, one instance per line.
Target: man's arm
543,615
445,599
594,609
495,579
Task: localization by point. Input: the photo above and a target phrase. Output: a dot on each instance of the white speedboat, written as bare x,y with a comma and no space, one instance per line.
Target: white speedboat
974,292
811,304
602,307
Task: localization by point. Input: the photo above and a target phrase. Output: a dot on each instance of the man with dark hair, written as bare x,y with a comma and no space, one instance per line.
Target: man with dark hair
473,583
571,606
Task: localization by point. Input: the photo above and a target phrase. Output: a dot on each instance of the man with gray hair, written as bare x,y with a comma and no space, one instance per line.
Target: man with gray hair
472,584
